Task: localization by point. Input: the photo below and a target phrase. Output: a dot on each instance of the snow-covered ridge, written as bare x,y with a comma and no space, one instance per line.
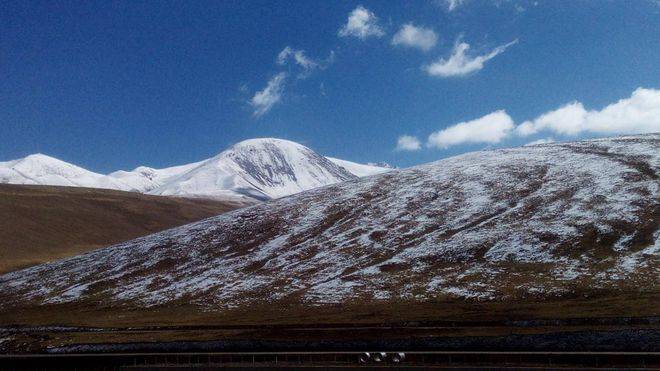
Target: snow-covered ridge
145,179
537,221
257,168
46,170
360,169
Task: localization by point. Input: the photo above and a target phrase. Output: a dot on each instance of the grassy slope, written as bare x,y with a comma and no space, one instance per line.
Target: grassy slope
588,305
357,321
45,223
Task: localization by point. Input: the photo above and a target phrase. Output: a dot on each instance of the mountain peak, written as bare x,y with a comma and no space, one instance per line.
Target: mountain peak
260,168
40,157
257,142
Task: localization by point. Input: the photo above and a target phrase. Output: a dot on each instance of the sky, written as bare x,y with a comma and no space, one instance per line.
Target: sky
111,85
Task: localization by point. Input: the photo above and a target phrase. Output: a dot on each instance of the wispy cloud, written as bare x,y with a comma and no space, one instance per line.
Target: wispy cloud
362,23
298,56
415,37
265,99
640,113
460,64
453,4
491,128
408,143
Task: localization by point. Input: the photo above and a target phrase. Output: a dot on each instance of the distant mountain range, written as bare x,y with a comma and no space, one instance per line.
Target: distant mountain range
261,169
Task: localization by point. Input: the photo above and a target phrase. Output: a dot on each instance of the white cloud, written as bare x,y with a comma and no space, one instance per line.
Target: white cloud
540,141
640,113
459,64
265,99
567,120
408,143
491,128
453,4
415,37
300,59
362,23
298,56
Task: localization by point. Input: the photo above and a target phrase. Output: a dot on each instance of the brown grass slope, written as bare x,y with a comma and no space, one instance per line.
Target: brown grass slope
44,223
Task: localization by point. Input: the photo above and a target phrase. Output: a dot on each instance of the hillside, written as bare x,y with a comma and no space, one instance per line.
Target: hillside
557,230
44,223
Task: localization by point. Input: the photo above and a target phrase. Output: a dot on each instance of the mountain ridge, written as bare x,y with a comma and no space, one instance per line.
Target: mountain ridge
224,179
43,169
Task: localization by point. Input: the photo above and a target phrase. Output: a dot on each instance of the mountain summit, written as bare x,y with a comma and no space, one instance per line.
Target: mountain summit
259,168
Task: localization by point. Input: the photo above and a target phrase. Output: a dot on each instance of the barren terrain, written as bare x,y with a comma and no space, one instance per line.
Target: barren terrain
39,224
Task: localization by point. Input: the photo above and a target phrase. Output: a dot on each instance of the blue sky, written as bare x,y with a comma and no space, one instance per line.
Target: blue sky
113,85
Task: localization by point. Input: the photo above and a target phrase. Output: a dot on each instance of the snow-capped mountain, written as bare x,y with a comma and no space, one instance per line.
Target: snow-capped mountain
253,169
46,170
145,179
259,168
551,220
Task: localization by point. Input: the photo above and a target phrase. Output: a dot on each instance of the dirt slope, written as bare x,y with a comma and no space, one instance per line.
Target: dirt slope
44,223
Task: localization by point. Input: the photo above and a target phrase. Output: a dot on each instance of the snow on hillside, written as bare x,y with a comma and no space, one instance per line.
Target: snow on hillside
359,169
536,221
45,170
259,168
